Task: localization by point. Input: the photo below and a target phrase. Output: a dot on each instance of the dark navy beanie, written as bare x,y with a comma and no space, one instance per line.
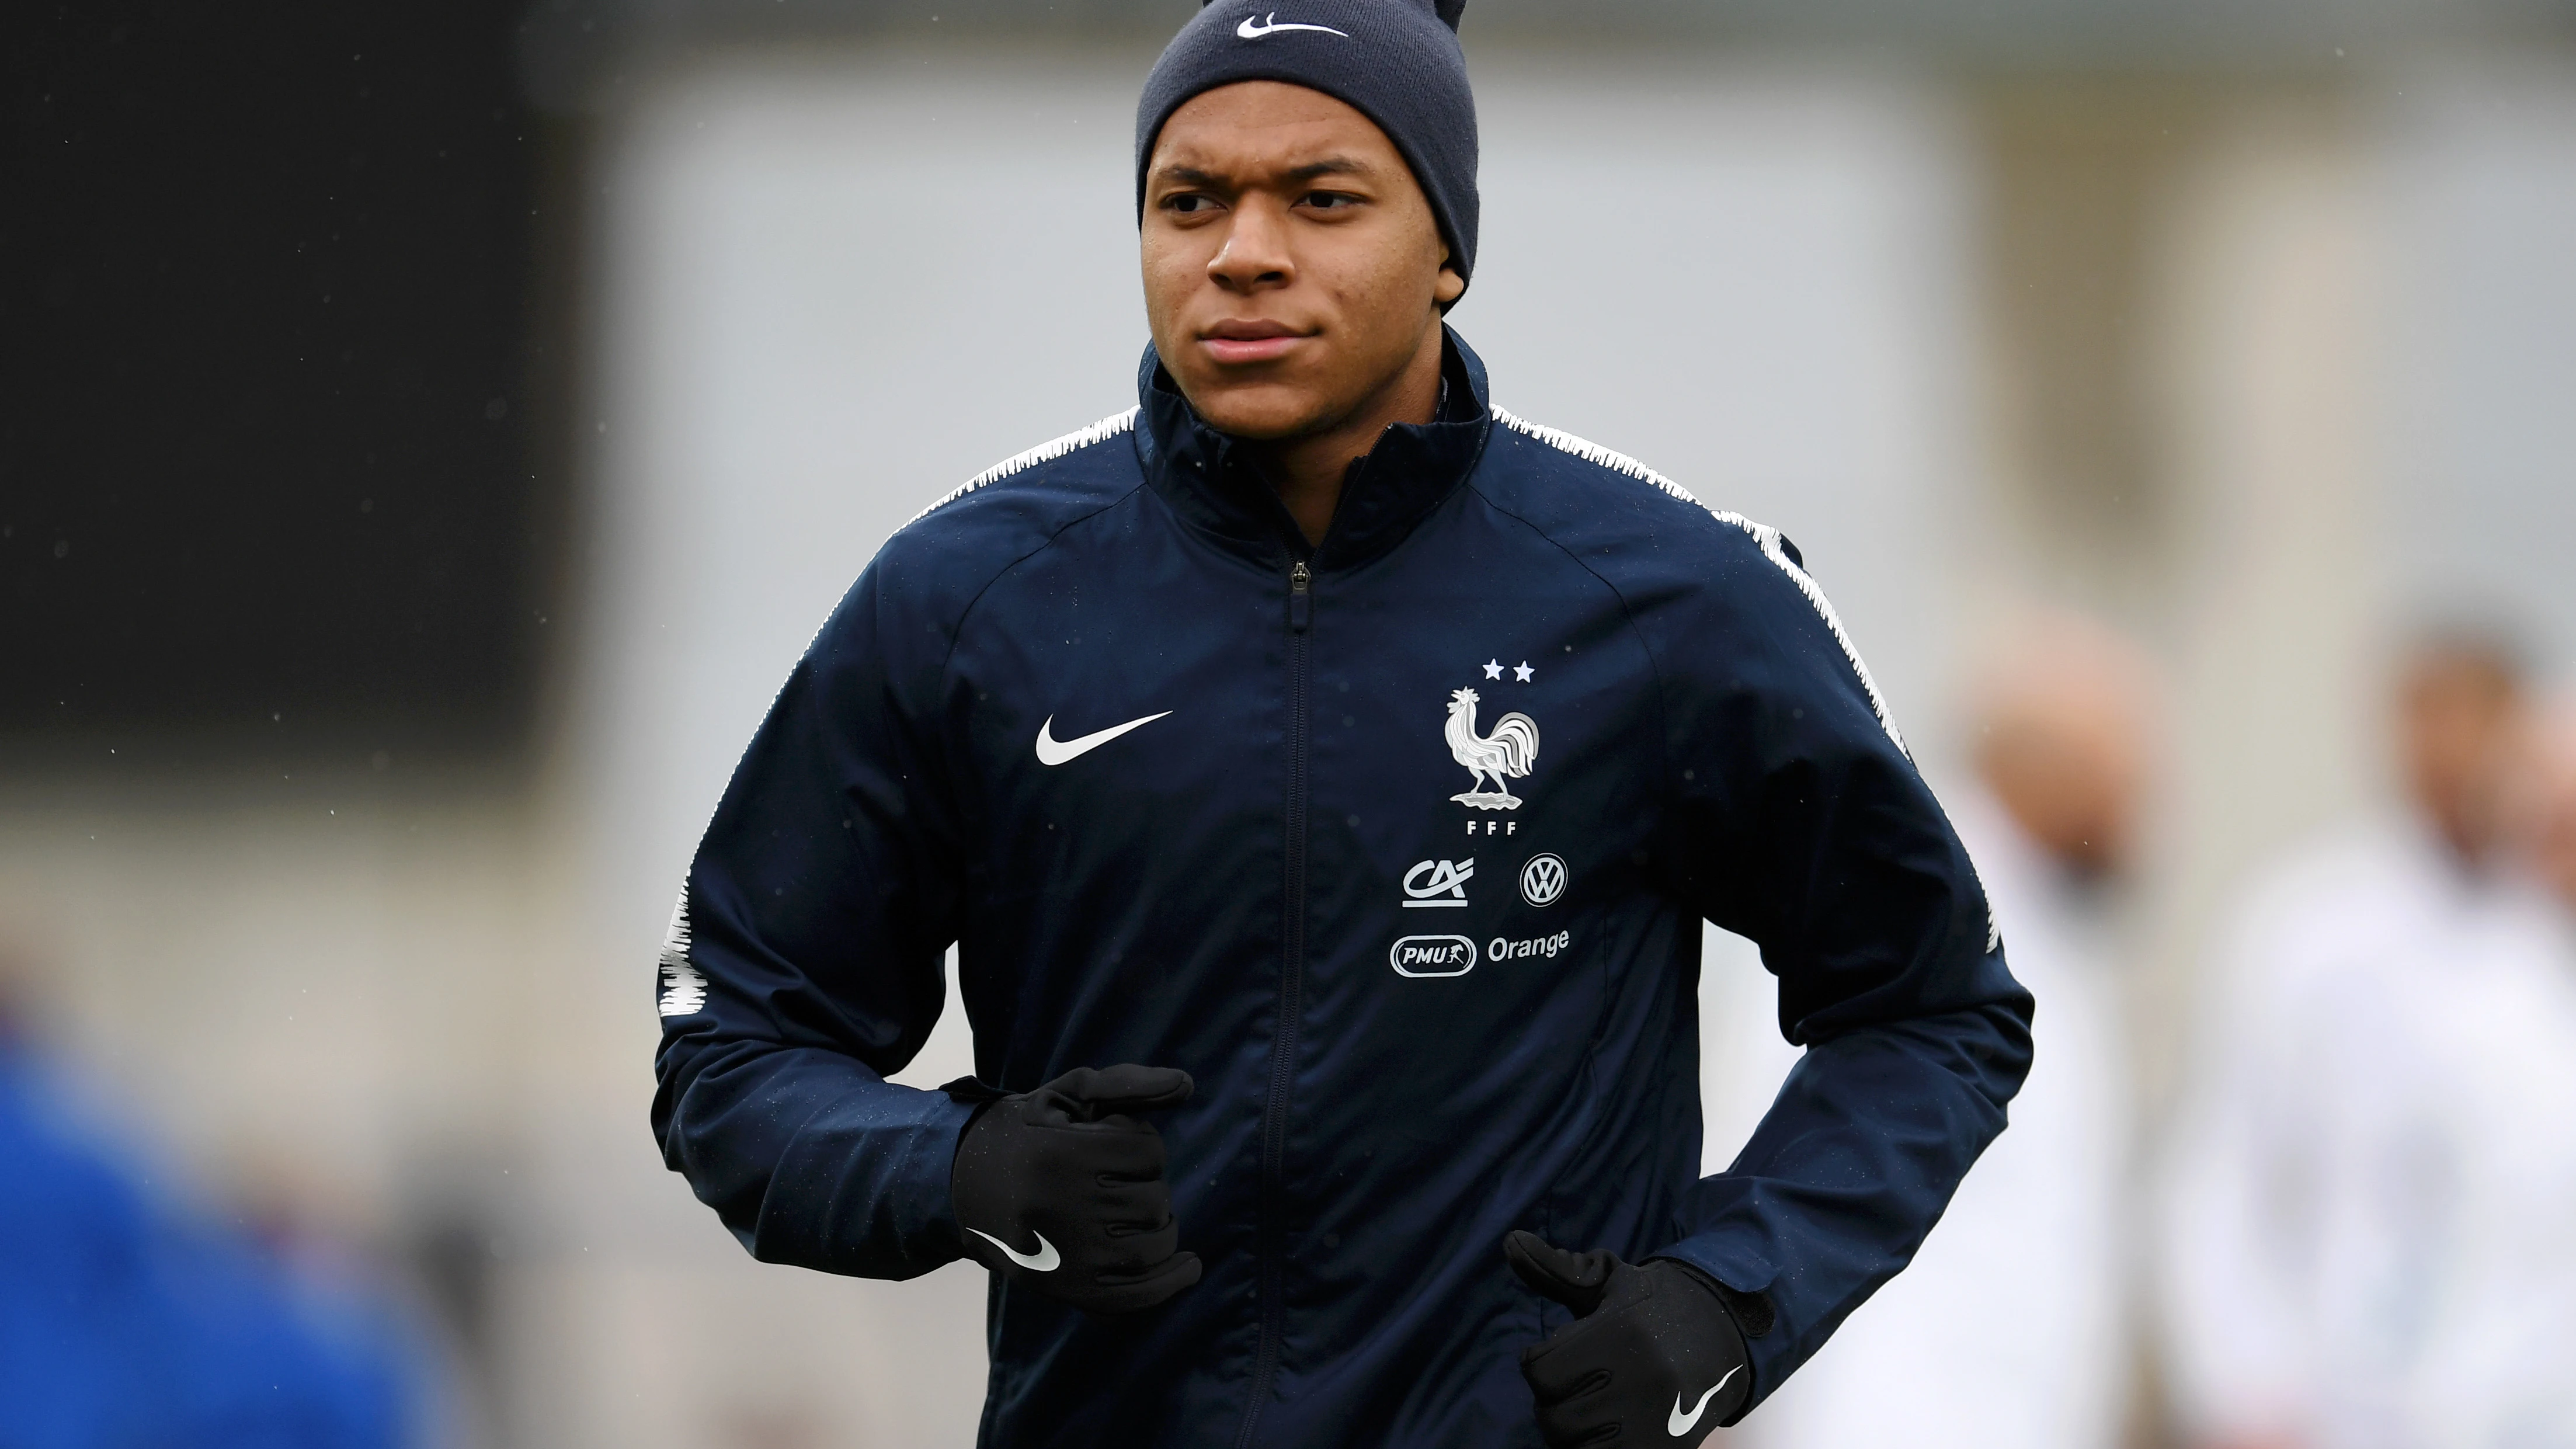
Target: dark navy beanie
1395,61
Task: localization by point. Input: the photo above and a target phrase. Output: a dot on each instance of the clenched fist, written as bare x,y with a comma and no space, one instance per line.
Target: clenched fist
1061,1190
1653,1356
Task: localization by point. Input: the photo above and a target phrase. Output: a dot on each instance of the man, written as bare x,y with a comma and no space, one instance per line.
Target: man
2007,1331
1333,769
2466,1101
2275,1160
2436,1291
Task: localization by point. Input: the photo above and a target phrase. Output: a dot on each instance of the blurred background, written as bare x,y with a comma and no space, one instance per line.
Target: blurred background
432,432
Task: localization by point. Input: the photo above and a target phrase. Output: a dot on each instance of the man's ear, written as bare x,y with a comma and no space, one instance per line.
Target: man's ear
1450,286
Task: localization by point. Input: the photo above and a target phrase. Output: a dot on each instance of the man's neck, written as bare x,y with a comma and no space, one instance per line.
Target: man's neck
1308,471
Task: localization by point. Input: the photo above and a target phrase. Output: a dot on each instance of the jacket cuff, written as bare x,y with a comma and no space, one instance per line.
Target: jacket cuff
877,1166
945,1128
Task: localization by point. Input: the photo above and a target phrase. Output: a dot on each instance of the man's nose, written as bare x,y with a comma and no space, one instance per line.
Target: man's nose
1255,256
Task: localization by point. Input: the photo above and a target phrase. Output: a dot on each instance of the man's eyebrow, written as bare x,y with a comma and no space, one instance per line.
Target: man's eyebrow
1330,166
1176,175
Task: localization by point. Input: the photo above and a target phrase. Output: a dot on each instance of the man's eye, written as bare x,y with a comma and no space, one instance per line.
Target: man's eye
1187,204
1330,200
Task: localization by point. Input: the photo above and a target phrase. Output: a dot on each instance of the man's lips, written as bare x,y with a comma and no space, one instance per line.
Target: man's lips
1235,342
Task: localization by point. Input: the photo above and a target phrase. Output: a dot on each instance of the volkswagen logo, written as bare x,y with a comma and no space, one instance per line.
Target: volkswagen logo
1542,880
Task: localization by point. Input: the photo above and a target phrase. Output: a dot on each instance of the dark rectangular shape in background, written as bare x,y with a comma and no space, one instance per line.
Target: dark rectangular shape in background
266,470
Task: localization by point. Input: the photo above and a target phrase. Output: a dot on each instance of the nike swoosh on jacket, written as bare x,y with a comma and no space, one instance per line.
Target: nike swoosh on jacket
1053,751
1225,892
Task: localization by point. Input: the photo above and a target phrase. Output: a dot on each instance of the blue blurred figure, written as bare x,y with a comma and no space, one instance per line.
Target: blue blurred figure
124,1324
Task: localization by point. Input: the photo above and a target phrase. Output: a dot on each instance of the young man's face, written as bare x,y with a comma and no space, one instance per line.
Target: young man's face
1292,266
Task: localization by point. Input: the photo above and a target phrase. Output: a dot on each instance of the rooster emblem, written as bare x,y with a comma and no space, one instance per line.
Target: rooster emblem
1506,754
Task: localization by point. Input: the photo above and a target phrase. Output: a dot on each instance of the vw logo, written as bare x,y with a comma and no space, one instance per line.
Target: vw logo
1542,880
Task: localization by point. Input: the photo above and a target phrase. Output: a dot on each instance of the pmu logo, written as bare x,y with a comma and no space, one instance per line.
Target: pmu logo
1432,956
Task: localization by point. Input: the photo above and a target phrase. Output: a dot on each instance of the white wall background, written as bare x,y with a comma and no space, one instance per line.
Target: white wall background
2480,190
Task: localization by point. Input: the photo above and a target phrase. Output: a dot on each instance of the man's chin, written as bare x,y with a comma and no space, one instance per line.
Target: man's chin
1263,413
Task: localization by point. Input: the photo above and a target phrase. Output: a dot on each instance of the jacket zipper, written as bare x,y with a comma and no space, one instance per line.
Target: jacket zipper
1283,1040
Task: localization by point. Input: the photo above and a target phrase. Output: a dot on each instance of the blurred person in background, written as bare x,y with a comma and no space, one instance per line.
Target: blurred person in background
2470,1103
2006,1331
127,1321
2306,1195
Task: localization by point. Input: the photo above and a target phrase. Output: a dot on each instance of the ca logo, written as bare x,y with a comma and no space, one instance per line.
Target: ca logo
1439,882
1542,879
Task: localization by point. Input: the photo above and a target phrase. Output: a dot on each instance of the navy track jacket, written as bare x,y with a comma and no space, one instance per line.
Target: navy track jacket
1400,846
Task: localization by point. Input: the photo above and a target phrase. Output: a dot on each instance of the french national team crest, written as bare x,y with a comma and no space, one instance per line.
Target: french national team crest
1505,754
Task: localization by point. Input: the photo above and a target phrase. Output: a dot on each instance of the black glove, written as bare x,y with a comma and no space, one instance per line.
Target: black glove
1653,1356
1062,1192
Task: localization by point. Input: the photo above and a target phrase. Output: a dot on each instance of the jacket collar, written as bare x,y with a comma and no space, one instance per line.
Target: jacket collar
1207,476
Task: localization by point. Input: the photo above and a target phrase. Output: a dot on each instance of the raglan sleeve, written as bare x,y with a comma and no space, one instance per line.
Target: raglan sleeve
1797,819
804,961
